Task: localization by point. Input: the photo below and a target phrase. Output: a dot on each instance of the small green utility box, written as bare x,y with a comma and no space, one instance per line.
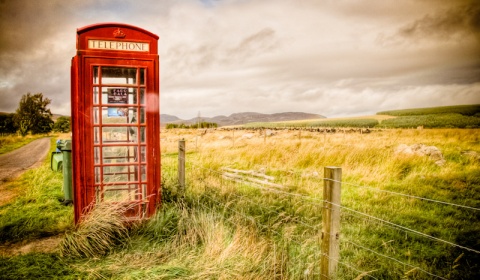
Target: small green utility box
65,146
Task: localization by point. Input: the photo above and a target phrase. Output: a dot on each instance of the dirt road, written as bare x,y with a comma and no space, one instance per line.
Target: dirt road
16,162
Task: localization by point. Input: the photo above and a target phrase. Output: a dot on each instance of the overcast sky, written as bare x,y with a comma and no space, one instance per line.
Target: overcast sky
218,57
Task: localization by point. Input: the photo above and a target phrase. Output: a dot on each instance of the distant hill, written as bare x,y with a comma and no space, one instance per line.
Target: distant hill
164,118
242,118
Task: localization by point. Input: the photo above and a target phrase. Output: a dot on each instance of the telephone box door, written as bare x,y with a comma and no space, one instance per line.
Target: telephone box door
115,116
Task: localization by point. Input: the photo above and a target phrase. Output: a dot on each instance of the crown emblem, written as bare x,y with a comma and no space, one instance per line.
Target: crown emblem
119,33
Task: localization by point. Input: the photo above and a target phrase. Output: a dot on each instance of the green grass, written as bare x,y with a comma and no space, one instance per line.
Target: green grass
36,212
450,120
293,225
11,142
38,266
225,230
466,110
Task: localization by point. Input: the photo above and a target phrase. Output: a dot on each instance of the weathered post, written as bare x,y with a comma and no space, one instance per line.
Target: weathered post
330,222
181,167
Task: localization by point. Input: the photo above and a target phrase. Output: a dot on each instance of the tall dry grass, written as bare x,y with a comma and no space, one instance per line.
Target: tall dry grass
225,230
369,163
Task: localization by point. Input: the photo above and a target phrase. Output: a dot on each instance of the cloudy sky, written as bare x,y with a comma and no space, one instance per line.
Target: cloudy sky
218,57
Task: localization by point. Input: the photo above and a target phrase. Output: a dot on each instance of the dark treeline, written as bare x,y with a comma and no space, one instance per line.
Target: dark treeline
195,125
32,116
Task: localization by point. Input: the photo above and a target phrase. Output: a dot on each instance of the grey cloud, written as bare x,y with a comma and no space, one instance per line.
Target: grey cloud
267,56
255,44
190,60
25,24
451,24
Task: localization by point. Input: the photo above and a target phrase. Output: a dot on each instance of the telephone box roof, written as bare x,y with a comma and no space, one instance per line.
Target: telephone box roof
115,24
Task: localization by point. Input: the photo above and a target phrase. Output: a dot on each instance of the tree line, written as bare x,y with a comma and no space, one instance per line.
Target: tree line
33,116
195,125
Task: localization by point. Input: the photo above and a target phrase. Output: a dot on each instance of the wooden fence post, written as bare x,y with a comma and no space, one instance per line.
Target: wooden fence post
181,167
330,222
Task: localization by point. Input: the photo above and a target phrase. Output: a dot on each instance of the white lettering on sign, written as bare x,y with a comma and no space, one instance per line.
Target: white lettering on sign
118,45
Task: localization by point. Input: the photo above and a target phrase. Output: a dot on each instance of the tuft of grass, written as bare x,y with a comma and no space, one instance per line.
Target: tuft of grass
103,229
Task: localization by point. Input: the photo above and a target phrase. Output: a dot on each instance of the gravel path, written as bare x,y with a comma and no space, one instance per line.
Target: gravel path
18,161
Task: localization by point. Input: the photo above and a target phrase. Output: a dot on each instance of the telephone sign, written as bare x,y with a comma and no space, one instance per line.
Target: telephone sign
115,119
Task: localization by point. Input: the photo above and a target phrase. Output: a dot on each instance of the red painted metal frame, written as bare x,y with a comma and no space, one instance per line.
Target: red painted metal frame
82,108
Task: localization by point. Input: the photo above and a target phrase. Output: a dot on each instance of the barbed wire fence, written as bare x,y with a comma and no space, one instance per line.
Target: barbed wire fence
314,269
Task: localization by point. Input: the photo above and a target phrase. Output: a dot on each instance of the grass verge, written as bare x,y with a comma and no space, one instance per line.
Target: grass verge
36,211
11,142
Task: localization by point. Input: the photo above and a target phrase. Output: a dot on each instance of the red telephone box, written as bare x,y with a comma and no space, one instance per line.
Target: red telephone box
115,119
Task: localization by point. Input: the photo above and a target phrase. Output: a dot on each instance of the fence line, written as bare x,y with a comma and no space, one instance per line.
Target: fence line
409,196
262,187
355,185
355,212
254,221
407,229
369,216
364,273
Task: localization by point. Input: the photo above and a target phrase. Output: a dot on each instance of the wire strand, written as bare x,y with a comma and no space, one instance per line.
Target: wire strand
407,229
393,259
262,188
405,195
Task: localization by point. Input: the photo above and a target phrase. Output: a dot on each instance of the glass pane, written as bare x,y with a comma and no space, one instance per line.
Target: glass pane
114,174
142,134
142,115
142,76
144,191
119,115
96,155
142,96
119,95
95,75
119,154
143,173
143,153
120,193
119,75
95,95
96,118
96,135
118,134
97,174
